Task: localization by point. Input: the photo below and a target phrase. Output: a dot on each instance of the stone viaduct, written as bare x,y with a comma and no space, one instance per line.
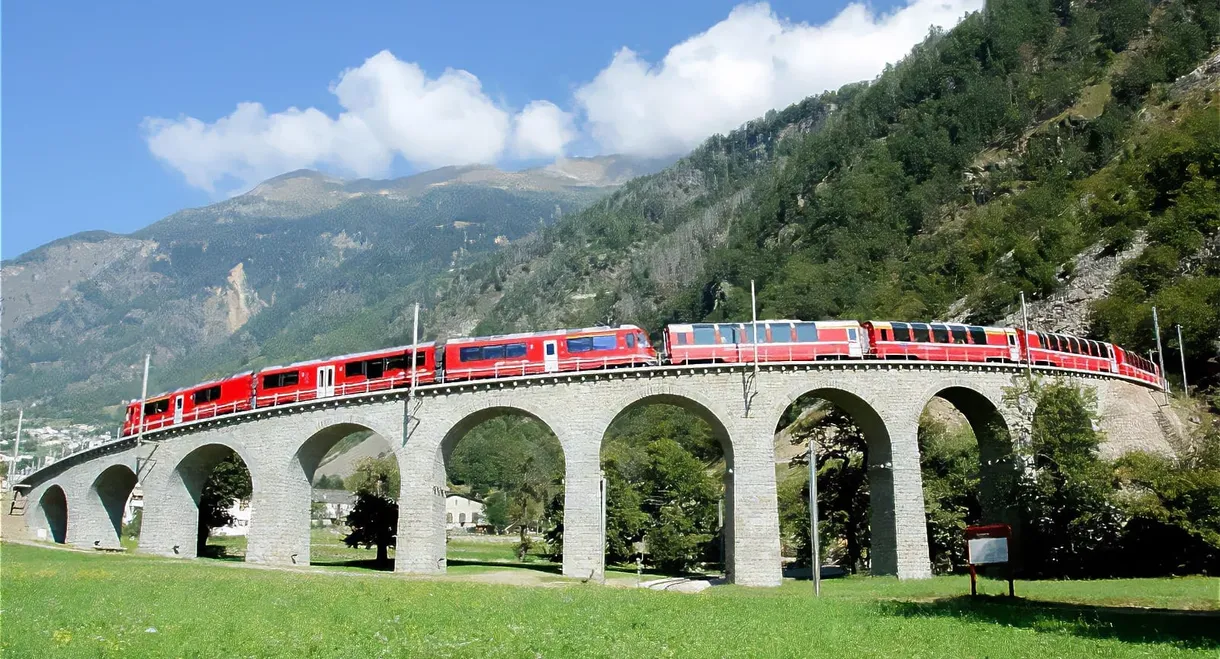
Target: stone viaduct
79,500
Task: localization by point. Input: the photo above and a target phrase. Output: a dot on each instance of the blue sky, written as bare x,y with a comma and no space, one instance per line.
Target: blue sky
118,114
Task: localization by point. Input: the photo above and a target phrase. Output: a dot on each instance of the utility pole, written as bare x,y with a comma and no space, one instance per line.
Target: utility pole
1182,354
602,488
1029,364
143,401
17,444
754,338
414,350
1160,356
813,520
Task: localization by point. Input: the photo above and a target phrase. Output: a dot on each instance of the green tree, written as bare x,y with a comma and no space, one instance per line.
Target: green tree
495,507
329,482
1174,507
374,519
681,500
949,460
843,491
228,483
1070,524
625,517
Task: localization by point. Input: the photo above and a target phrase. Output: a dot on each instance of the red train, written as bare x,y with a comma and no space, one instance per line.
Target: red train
794,340
378,370
628,346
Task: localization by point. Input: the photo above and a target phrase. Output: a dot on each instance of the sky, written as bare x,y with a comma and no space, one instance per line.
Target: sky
115,115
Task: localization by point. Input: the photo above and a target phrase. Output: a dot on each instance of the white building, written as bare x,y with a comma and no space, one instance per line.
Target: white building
462,512
335,505
240,512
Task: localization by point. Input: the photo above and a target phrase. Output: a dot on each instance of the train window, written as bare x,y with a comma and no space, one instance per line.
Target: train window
705,335
806,332
978,335
493,352
885,335
375,368
902,332
397,362
959,333
630,340
920,332
679,338
1073,344
582,344
605,342
781,333
276,380
354,368
206,395
471,354
747,334
156,407
940,334
514,351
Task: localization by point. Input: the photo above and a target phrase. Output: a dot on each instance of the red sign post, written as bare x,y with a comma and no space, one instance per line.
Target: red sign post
988,545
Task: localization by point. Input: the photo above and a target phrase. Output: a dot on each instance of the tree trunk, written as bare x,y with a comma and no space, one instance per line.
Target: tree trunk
383,555
201,539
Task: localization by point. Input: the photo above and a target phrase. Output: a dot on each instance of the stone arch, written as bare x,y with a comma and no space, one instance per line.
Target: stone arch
430,441
700,406
883,533
52,513
111,490
180,497
293,497
855,404
476,417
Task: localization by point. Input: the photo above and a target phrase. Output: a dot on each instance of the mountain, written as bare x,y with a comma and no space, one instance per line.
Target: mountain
301,265
1065,150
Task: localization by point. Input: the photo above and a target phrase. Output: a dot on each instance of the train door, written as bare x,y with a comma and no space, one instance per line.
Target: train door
550,355
326,381
854,347
1014,351
178,409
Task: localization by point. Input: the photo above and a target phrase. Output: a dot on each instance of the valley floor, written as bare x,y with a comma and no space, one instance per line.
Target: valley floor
69,603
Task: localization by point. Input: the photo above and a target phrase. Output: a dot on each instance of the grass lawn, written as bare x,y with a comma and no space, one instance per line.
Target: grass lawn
62,603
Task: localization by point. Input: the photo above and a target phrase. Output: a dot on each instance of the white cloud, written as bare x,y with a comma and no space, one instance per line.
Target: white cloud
390,107
542,130
743,66
738,69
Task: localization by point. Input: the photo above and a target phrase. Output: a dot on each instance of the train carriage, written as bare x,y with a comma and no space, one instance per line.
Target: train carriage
776,341
946,342
1134,365
1067,351
376,370
201,401
546,352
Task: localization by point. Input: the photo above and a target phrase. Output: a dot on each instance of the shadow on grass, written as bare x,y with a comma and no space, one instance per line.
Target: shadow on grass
553,568
360,563
1193,629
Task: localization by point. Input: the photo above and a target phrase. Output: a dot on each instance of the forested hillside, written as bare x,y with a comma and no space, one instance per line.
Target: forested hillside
975,169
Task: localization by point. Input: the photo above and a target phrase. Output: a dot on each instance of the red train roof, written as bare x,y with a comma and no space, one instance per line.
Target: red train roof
532,335
354,355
